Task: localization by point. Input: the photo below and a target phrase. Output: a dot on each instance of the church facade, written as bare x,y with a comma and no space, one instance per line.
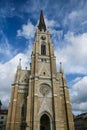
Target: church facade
40,96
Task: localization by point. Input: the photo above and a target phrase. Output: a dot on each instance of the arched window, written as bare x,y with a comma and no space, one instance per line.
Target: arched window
23,110
45,122
23,117
43,50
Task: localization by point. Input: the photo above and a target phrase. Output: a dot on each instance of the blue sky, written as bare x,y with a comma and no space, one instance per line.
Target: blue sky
67,22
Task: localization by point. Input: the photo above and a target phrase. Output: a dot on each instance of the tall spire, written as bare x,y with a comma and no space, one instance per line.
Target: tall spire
41,25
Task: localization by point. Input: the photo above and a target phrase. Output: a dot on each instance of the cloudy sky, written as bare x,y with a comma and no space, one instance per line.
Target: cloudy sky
67,22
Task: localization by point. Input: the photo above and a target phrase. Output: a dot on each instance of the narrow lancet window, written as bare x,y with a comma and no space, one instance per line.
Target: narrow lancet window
23,110
23,117
43,50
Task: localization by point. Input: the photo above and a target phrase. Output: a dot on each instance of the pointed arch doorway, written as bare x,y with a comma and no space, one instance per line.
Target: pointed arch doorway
44,122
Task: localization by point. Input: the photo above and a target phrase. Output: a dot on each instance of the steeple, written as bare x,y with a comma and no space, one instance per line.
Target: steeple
42,25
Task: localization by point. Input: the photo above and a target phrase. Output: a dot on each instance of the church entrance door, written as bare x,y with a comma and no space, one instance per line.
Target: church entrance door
44,122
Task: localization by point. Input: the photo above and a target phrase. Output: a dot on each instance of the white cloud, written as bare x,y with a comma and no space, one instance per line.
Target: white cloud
80,107
74,53
73,15
76,80
5,47
84,22
78,94
27,30
51,23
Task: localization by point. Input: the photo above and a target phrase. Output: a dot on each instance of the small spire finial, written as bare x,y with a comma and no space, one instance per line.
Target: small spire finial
0,104
42,25
61,69
19,65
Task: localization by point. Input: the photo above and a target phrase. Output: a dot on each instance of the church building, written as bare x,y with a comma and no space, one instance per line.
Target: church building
40,96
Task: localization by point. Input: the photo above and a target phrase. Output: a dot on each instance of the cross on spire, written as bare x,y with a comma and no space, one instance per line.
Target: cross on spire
41,25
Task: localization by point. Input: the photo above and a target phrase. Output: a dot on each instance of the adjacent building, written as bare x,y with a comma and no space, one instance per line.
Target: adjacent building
80,121
3,117
40,96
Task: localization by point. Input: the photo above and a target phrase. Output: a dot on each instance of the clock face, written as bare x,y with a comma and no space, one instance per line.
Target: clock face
43,37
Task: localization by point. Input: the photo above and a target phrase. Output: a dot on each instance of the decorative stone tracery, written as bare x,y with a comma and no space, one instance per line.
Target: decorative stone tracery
45,89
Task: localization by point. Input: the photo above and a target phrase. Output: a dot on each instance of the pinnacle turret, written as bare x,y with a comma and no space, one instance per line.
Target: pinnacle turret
41,25
0,104
61,69
16,79
19,65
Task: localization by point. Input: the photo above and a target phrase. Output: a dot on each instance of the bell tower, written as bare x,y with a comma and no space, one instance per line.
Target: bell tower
41,94
48,104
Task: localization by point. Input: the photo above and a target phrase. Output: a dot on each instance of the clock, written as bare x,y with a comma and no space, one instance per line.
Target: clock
43,37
